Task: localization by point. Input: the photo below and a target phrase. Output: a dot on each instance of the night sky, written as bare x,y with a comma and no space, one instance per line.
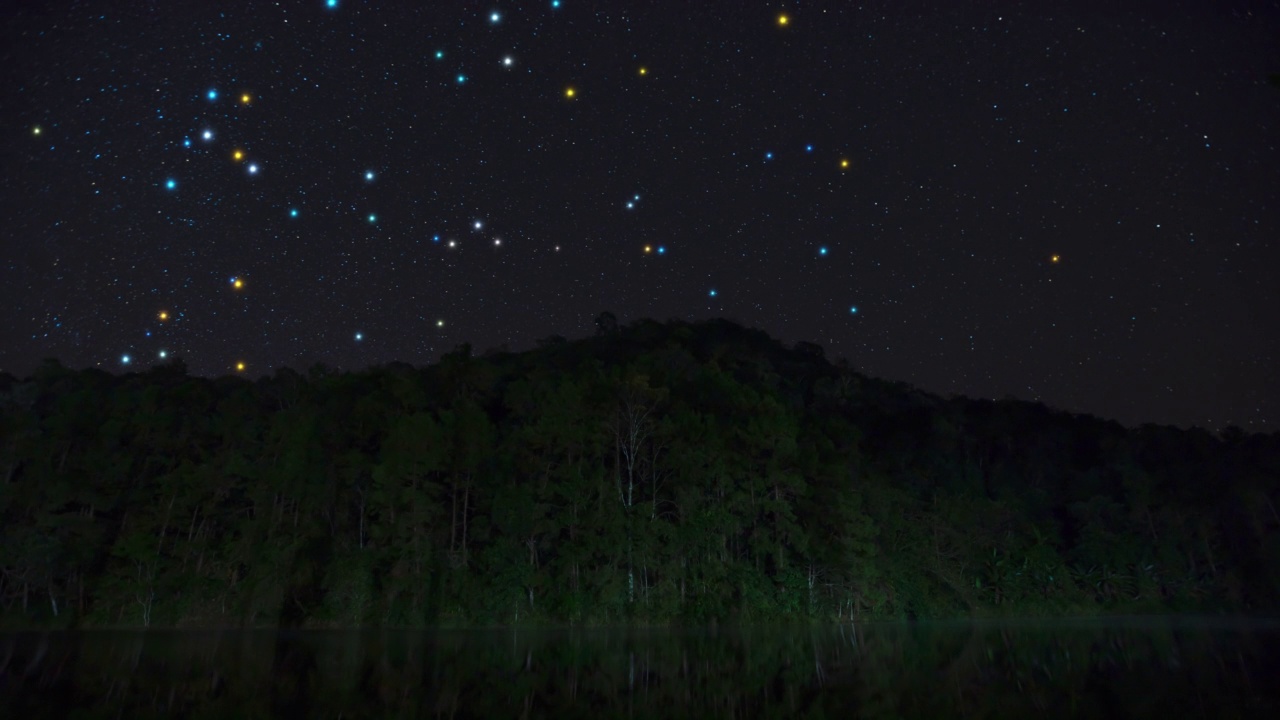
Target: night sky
1074,203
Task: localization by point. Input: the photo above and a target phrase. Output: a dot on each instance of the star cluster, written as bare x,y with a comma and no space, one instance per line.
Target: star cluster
1047,203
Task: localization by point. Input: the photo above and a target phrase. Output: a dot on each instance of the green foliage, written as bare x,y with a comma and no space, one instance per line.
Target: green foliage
652,473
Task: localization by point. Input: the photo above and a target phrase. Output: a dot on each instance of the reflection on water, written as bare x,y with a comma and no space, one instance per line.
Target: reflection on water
1097,668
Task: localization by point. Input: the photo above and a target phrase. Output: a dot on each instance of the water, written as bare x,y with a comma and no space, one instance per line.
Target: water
1143,667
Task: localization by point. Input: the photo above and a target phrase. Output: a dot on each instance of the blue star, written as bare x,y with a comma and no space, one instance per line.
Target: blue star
212,94
768,156
439,54
170,184
808,148
822,250
435,238
555,4
125,359
853,309
293,212
662,249
495,17
207,135
253,168
461,78
164,354
331,4
712,293
186,142
373,218
359,336
368,176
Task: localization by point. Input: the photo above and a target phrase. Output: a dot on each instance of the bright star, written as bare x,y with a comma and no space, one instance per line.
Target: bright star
844,164
186,142
808,148
662,249
783,20
373,218
1055,258
712,293
368,176
461,78
237,155
331,4
207,135
439,323
453,243
162,316
36,130
439,54
435,238
170,184
240,367
359,337
497,242
253,168
164,354
853,309
555,4
244,99
768,156
293,212
477,224
508,61
644,70
212,94
495,17
648,249
631,205
237,283
822,250
570,93
125,359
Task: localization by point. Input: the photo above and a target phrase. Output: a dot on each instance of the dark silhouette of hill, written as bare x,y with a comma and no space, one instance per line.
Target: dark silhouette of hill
652,472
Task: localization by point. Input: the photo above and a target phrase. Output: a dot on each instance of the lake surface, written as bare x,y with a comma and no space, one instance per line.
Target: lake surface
1134,667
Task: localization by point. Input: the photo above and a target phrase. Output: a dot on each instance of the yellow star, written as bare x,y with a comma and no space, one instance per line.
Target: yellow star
644,70
570,93
783,20
240,367
163,316
237,155
648,248
36,130
1055,258
238,284
844,164
245,99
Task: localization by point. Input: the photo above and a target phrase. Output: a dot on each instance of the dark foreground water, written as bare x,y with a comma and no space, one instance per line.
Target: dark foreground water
1140,667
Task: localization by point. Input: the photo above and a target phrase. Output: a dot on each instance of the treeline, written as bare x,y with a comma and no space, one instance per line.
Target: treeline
651,473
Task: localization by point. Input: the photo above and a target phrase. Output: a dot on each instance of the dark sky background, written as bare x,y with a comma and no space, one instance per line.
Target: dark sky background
1074,203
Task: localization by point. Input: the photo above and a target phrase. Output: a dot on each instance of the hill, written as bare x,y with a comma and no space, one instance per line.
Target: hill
654,472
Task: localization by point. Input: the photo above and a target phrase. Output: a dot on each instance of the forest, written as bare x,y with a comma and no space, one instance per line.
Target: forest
652,473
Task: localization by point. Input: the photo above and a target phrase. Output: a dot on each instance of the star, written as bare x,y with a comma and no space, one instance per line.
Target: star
453,243
808,148
125,359
359,336
844,164
237,283
163,354
439,323
1055,258
497,242
712,293
207,135
648,249
555,4
783,20
171,184
240,367
253,168
853,309
36,130
331,4
368,176
237,155
162,316
186,142
439,54
461,78
373,218
245,99
508,61
212,94
570,93
477,224
643,70
293,212
495,17
822,250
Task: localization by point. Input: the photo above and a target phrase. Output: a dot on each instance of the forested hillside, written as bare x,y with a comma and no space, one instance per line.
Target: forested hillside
656,472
